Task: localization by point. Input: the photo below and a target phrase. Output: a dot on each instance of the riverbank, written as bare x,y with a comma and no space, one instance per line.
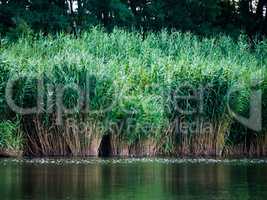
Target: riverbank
119,94
10,153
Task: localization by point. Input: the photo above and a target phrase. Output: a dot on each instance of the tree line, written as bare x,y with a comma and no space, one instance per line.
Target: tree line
199,16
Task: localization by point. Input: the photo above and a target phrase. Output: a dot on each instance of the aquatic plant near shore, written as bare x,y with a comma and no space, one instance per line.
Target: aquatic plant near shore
11,139
166,94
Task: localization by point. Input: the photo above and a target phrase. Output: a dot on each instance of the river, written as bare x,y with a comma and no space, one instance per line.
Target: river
126,179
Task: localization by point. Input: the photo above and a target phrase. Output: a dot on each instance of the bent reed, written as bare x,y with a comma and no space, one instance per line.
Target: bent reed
117,94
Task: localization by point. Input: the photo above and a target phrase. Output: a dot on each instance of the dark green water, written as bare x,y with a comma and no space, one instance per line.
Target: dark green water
139,179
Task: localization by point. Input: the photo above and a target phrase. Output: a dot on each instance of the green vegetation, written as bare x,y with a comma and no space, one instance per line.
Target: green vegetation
204,17
135,92
11,139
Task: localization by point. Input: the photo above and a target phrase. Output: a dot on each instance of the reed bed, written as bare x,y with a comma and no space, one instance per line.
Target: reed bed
166,94
11,139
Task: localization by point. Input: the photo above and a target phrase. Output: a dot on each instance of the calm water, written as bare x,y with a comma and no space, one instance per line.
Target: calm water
139,179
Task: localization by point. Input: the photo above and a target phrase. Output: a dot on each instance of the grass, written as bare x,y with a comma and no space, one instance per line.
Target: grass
135,89
10,136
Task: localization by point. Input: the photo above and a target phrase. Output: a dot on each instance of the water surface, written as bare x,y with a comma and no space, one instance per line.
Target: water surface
123,179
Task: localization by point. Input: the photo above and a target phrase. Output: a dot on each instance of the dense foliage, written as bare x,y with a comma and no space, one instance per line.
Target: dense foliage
200,16
10,136
136,88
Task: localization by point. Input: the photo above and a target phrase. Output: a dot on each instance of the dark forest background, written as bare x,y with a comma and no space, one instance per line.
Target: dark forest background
203,17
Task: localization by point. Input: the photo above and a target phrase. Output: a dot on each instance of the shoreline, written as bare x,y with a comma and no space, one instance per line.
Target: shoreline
10,153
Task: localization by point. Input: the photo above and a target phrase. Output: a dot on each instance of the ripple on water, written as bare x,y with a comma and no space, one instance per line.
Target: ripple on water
88,161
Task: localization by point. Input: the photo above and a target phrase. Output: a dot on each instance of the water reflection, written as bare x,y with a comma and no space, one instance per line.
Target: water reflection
137,180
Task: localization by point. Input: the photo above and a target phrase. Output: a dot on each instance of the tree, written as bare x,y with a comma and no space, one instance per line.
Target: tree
199,16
